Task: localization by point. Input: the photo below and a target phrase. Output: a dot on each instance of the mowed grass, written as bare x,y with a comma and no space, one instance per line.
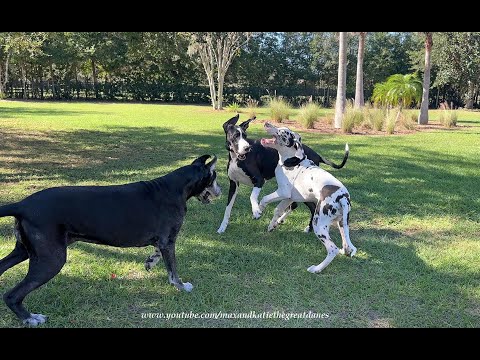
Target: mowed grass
415,221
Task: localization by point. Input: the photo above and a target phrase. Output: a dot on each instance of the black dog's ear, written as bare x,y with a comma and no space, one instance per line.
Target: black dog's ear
212,163
245,124
232,122
201,160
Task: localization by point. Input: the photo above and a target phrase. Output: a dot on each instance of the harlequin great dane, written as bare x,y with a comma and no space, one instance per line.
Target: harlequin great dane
299,179
251,164
131,215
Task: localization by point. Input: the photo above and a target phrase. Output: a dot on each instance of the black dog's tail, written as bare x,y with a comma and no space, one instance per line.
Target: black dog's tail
335,166
9,210
317,159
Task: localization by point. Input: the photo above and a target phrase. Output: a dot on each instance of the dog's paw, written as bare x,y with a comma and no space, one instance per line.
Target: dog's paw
313,269
271,227
256,214
353,252
35,320
148,265
307,229
348,252
187,287
222,229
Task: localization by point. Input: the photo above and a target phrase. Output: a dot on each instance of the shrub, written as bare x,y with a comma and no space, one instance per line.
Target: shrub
351,118
408,119
309,113
391,120
233,107
279,109
448,118
252,106
373,118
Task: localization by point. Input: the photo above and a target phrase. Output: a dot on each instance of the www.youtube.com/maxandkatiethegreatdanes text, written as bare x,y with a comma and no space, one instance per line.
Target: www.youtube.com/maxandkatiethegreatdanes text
236,315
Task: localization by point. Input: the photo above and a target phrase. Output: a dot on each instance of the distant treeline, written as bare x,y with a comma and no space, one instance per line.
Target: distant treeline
149,66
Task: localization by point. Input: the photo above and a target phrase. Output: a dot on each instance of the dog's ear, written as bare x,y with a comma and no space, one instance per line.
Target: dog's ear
299,153
212,164
201,160
231,122
245,124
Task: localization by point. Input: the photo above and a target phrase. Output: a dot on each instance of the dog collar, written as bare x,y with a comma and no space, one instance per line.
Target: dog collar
293,161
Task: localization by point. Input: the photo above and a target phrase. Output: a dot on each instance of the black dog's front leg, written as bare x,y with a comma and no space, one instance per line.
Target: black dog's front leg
232,194
311,206
258,183
168,254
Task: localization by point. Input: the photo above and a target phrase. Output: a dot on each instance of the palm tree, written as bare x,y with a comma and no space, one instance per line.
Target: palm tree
359,98
402,90
423,116
342,80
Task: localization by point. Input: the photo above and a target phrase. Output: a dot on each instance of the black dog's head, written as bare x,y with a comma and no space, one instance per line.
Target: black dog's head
236,136
206,188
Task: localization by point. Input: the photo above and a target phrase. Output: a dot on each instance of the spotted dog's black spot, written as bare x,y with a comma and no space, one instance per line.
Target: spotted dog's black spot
327,208
348,218
339,197
310,190
322,238
327,190
311,178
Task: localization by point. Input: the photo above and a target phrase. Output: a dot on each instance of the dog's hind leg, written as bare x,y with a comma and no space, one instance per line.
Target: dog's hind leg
18,254
348,248
232,194
48,254
321,226
279,213
153,259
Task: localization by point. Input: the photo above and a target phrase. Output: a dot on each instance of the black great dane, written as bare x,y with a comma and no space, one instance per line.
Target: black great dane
251,164
131,215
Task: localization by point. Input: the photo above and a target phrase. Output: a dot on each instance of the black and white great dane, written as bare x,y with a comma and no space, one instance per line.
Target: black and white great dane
252,164
300,180
131,215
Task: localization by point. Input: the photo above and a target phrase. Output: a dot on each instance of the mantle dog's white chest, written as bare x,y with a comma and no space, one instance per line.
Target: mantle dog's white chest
237,174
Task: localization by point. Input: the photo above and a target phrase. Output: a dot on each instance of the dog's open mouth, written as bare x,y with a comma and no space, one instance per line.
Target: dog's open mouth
205,197
267,142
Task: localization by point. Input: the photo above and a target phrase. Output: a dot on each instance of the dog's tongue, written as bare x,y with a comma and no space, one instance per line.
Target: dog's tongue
265,141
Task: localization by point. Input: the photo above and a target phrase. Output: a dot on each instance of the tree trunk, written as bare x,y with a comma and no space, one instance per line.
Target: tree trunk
423,116
41,85
342,80
52,77
24,81
213,93
94,75
221,80
470,95
2,87
359,96
76,82
4,78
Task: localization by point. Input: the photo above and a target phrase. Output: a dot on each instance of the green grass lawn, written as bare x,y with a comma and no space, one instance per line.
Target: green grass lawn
415,221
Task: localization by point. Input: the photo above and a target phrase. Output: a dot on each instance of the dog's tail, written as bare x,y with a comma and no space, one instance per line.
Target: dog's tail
10,210
332,164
